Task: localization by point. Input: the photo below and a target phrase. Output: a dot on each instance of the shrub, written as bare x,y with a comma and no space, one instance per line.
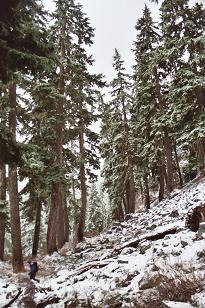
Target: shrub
176,283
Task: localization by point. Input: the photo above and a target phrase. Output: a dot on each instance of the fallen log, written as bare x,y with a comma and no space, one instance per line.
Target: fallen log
48,301
86,267
13,299
149,237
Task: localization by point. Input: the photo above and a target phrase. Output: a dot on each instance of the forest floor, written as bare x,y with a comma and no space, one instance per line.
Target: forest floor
150,260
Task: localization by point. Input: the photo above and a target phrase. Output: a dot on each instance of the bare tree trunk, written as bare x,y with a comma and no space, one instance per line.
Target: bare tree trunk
66,220
146,190
169,160
177,165
115,215
81,226
2,208
52,220
118,214
55,223
37,228
60,224
2,234
17,256
200,156
125,201
121,216
161,182
131,182
55,218
131,186
141,189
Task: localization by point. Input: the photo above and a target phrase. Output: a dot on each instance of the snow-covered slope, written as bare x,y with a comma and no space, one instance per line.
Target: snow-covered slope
142,262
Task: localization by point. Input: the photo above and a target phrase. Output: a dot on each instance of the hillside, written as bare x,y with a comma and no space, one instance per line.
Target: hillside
149,259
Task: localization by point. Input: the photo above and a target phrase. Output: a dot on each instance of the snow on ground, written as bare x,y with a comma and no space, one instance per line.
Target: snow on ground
110,267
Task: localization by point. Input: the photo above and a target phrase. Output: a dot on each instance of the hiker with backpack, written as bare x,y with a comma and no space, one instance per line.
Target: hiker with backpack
33,270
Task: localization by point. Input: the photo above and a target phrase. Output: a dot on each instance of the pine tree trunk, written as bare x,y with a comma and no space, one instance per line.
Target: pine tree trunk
178,167
115,215
161,182
2,215
17,256
55,222
131,186
125,200
37,228
81,225
168,151
2,235
59,159
141,189
60,224
52,220
200,156
118,214
131,183
146,191
66,220
121,216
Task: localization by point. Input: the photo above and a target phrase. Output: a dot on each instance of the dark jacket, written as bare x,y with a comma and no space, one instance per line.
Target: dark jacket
33,268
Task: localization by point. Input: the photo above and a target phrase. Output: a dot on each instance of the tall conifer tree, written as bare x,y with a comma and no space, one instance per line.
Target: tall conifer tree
71,32
118,168
17,255
147,145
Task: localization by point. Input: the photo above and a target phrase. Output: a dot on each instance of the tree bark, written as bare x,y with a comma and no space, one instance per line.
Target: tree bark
81,225
131,186
131,182
146,190
60,223
200,156
2,209
37,228
66,220
126,200
52,220
17,256
169,160
161,182
55,223
118,214
177,165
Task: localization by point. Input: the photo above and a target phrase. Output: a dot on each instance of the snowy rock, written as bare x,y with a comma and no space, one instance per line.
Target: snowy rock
184,243
176,253
199,299
128,217
201,231
152,227
174,214
144,246
170,304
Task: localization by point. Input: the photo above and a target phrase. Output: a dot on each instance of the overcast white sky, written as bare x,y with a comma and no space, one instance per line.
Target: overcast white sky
114,22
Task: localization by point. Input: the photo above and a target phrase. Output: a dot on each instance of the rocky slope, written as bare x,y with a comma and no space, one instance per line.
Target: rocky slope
148,260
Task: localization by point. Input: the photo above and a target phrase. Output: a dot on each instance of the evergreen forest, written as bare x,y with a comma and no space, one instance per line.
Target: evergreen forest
73,159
